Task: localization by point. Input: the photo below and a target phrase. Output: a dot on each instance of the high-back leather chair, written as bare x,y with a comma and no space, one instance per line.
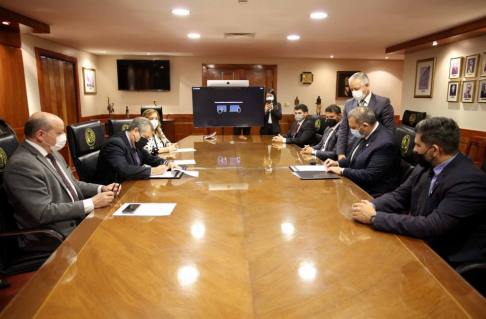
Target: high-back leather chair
116,126
158,109
319,123
13,260
406,139
411,118
85,141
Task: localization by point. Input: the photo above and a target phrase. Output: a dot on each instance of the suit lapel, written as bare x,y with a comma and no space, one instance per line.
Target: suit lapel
127,143
372,103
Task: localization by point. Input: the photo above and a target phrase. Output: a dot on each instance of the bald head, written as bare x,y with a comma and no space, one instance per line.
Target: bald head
41,121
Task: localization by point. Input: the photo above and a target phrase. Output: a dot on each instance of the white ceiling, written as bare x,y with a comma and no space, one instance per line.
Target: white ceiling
354,29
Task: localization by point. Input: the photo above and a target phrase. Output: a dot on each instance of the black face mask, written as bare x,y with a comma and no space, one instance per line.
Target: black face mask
140,144
331,122
420,159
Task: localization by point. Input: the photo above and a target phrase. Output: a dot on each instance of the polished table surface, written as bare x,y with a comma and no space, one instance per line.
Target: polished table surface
247,239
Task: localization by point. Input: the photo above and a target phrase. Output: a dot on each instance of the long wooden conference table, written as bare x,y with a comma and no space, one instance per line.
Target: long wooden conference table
247,239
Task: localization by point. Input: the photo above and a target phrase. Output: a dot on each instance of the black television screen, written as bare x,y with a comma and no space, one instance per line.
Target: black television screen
227,106
143,75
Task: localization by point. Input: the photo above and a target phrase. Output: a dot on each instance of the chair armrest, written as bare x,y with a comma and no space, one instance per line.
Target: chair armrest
467,266
45,231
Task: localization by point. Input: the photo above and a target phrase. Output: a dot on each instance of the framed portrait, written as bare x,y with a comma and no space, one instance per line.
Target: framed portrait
467,95
483,65
424,78
471,66
343,90
455,68
482,91
89,81
453,91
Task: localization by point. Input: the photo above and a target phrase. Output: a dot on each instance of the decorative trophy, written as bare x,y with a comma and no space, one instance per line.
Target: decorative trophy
127,113
318,105
296,102
110,108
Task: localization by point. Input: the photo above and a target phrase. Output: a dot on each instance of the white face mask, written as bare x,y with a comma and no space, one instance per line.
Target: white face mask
269,98
299,118
356,133
155,123
358,95
60,142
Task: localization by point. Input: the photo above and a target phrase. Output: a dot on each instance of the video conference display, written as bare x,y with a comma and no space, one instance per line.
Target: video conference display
228,106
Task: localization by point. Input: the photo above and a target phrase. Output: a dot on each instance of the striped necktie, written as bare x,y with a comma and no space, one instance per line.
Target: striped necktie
71,190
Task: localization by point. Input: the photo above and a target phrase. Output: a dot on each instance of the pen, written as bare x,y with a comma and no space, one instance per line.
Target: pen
114,184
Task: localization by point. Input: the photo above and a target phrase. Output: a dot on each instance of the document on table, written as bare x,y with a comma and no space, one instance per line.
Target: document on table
185,162
190,173
309,168
148,209
182,150
168,174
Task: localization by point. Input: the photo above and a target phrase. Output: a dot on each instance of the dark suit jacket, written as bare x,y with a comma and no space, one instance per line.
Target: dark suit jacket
305,136
383,112
330,151
376,164
276,115
453,219
116,158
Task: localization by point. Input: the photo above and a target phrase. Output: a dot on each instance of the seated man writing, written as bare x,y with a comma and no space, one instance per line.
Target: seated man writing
123,155
302,131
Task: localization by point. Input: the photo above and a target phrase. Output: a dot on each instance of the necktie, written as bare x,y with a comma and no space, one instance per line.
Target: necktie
327,139
74,195
355,149
363,102
297,130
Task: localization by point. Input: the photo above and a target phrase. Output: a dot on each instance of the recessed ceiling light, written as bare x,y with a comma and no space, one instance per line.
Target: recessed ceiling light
148,53
293,37
104,51
434,43
181,12
386,58
194,35
5,22
318,15
332,56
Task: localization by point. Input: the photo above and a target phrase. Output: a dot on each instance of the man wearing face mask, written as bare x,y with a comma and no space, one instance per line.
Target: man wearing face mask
374,162
446,195
327,146
362,96
123,155
302,131
41,187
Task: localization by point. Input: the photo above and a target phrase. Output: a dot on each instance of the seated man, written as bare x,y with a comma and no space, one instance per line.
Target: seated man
446,195
302,131
123,155
327,146
374,163
41,187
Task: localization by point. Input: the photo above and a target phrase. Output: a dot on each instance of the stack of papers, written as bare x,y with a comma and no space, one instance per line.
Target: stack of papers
148,209
308,168
182,150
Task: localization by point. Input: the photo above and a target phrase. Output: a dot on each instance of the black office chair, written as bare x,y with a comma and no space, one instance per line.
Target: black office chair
158,109
474,272
411,118
85,141
406,139
116,126
13,260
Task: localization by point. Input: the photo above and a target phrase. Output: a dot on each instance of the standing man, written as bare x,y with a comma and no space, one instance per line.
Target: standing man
41,187
362,96
302,131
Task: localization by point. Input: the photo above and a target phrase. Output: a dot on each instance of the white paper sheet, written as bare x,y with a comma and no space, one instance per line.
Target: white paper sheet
192,173
148,209
311,168
167,174
185,162
182,150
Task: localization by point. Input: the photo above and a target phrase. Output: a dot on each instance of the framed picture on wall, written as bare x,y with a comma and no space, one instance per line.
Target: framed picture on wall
89,81
471,66
424,78
455,68
482,91
342,84
453,91
467,95
483,65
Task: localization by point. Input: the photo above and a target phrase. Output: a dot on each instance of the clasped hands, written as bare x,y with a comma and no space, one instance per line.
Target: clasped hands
333,167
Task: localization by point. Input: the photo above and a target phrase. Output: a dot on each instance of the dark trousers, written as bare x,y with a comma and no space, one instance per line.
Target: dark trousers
237,130
268,130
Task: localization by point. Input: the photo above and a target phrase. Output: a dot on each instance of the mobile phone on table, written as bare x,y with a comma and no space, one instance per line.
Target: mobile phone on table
130,209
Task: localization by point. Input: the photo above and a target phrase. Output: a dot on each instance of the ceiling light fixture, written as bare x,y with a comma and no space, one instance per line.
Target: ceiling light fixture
148,53
194,35
318,15
293,37
386,58
104,51
434,43
181,12
5,22
332,56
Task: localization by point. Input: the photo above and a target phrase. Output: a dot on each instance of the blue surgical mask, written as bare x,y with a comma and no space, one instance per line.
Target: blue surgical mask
356,133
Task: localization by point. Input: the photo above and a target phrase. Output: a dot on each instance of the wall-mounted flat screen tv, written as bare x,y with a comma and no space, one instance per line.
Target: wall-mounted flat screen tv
143,75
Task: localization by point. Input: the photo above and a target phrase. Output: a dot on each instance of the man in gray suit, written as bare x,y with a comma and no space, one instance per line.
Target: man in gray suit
327,146
41,187
362,96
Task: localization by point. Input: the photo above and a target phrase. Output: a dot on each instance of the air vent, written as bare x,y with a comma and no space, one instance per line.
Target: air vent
242,1
240,35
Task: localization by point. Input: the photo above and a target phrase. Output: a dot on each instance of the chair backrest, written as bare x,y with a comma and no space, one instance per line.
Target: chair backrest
406,170
478,152
116,126
85,141
411,118
319,123
158,109
5,128
406,139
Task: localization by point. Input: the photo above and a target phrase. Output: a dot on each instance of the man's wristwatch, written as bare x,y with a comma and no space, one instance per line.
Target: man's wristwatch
372,218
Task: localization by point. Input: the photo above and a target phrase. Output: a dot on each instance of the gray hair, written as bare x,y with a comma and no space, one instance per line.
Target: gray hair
363,114
35,124
360,76
142,123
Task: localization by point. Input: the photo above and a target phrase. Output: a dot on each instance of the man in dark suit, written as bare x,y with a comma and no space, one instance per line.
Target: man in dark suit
362,96
123,155
446,195
374,163
302,131
467,93
327,146
42,188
